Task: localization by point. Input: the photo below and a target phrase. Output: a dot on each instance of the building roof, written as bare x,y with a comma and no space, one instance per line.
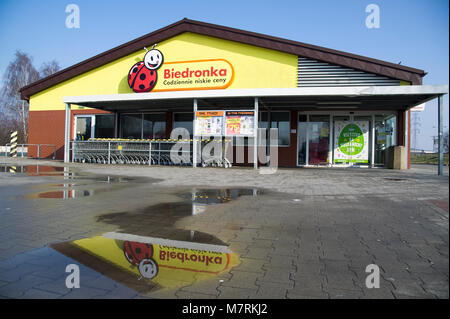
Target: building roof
357,62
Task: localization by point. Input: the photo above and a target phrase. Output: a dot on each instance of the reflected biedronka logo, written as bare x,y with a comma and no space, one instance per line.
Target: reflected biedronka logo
144,76
147,258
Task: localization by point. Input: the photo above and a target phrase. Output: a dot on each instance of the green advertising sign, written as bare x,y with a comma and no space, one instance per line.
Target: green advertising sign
351,142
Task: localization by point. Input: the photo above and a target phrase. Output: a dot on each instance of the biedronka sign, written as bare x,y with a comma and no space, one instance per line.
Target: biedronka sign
180,75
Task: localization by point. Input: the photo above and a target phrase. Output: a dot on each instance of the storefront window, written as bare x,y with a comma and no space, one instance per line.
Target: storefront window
183,120
83,128
368,120
131,126
319,134
154,126
94,126
385,136
104,126
279,120
302,125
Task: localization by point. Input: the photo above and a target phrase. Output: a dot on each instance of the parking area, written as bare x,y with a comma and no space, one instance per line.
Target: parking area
297,233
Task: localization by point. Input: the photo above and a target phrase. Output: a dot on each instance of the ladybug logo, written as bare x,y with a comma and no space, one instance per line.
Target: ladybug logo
143,75
140,255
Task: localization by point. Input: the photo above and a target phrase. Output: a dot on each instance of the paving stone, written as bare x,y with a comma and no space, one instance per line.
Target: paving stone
344,293
182,294
236,293
251,265
270,290
242,279
410,288
342,281
300,292
314,283
378,293
17,288
161,294
84,293
257,253
120,292
288,263
54,286
38,294
276,275
205,287
441,294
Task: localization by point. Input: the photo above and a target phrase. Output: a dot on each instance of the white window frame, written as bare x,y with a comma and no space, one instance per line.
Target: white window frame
77,116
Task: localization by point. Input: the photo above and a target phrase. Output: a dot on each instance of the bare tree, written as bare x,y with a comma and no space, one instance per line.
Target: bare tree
19,73
48,68
7,125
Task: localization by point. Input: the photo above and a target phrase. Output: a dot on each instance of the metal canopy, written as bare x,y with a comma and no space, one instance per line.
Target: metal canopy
313,98
317,98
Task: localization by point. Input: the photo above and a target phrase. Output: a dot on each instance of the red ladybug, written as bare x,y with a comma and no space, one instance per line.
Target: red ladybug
136,252
142,79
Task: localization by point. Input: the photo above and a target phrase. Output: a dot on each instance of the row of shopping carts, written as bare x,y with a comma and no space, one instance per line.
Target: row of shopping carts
145,152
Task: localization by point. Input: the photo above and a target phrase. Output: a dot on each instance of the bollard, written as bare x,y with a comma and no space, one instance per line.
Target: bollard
13,148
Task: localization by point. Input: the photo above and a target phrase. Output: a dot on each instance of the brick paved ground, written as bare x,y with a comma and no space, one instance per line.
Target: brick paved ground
310,233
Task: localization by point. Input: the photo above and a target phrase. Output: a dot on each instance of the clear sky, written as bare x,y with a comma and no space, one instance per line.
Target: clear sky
413,32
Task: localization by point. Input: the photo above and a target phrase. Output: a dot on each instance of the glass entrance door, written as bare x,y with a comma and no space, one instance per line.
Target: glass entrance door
319,139
345,139
385,128
83,128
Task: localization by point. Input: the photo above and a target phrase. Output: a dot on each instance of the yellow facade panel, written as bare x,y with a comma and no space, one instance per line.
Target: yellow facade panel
253,67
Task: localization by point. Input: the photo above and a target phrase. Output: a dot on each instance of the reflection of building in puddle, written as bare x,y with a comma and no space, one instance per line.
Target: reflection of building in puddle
147,263
62,172
40,170
62,194
204,197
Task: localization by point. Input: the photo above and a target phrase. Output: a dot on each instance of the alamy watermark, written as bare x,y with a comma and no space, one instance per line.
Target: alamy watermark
73,19
373,279
73,280
220,151
373,19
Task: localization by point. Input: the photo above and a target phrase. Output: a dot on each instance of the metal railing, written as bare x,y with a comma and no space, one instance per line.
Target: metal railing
38,147
115,151
140,152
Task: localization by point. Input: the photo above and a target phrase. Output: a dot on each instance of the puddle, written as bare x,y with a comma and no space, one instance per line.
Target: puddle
110,179
155,219
65,185
40,170
219,196
67,178
147,252
62,194
59,171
